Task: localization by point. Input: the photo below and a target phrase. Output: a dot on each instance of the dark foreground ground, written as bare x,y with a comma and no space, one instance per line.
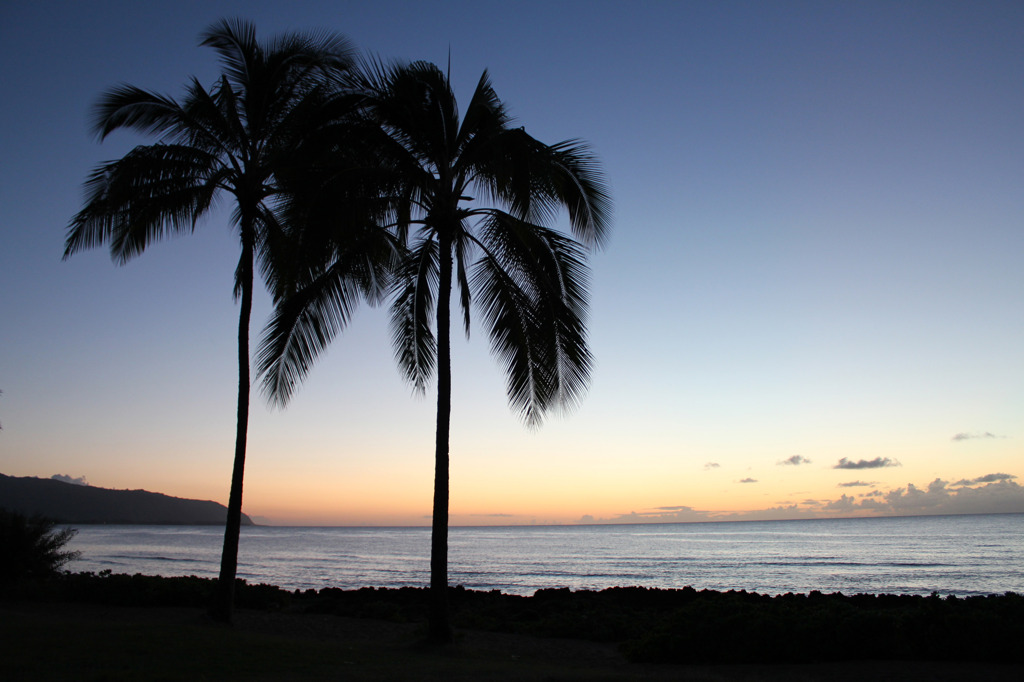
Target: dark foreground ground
122,628
88,642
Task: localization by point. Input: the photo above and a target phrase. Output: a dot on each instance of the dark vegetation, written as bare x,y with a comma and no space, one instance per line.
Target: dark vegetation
31,547
648,625
81,504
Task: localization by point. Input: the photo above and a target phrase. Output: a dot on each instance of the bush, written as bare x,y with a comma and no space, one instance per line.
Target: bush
31,547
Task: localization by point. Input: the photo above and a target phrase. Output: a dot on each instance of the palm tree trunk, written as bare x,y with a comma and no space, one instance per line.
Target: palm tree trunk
440,626
223,605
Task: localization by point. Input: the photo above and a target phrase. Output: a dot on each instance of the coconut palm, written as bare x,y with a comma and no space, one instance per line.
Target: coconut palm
526,279
234,138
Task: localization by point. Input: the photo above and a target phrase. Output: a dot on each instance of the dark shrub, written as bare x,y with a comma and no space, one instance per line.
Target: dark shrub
31,547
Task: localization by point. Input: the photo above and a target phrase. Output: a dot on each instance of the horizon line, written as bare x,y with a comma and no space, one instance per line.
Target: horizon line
611,523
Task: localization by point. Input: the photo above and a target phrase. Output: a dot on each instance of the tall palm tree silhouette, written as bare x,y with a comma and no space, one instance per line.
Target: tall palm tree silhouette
234,138
528,280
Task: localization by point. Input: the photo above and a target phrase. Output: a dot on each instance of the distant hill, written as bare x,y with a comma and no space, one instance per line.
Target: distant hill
69,503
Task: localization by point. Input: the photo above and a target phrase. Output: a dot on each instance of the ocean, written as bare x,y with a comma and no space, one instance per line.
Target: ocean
961,555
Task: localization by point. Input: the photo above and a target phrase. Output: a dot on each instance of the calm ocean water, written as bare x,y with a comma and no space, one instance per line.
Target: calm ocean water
962,555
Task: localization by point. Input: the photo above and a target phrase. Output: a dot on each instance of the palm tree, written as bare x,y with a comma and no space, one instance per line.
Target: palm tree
233,138
528,280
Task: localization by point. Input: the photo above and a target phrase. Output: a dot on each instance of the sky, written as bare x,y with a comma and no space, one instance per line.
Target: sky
812,303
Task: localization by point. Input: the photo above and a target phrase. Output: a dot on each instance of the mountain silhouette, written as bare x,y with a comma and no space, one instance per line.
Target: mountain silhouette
85,504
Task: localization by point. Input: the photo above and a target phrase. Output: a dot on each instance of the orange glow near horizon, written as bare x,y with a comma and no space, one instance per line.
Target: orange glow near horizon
522,486
497,488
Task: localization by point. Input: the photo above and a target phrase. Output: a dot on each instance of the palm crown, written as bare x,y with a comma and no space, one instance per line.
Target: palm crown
232,137
528,280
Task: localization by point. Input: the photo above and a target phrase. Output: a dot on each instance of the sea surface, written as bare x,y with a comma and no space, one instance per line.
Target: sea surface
961,555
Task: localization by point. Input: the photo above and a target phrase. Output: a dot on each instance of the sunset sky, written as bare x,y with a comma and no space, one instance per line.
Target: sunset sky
812,303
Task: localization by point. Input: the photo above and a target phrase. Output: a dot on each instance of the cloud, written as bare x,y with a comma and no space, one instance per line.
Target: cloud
1001,497
796,460
780,512
68,479
673,514
712,465
974,436
845,503
987,478
876,463
991,494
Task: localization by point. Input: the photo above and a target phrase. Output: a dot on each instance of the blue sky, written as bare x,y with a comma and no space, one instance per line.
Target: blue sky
816,254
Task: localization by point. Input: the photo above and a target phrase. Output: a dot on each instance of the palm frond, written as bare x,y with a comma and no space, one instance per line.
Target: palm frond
327,48
508,314
536,181
235,41
221,116
304,324
414,103
463,251
582,188
485,117
150,193
412,314
126,106
533,284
